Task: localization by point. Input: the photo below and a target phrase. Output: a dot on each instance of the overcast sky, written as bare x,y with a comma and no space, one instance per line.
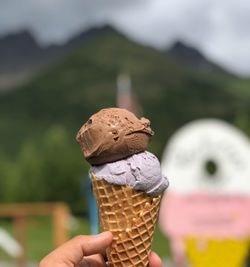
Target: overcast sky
219,28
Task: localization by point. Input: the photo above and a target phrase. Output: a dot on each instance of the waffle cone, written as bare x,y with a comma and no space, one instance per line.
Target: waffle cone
131,217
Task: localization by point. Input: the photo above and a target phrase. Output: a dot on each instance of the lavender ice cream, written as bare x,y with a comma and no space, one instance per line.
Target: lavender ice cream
140,171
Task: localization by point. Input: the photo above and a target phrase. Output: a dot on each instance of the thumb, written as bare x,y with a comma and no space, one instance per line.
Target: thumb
95,244
73,251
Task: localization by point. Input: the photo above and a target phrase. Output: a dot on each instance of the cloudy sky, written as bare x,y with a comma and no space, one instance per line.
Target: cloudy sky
219,28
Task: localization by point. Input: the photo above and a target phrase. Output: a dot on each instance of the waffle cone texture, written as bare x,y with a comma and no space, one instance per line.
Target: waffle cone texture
131,217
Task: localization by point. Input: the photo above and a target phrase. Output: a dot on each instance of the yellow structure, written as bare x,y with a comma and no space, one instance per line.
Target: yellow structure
216,253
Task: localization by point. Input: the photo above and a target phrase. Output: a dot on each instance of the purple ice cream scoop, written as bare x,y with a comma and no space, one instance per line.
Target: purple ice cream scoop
140,171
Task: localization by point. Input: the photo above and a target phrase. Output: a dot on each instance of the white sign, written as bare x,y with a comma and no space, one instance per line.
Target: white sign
208,155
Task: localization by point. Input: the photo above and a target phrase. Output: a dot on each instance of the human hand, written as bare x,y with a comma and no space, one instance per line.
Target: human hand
86,251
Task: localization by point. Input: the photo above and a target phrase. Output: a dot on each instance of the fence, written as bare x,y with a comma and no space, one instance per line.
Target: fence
20,212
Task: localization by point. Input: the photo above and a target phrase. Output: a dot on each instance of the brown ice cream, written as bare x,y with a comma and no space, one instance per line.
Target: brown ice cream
112,134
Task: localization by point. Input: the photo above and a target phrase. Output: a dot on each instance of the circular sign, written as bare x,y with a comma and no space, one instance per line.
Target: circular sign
208,155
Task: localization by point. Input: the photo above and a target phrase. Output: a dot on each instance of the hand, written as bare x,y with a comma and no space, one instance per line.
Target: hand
86,251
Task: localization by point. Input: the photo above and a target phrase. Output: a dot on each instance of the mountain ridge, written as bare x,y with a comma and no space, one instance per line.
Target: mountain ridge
21,50
30,54
193,57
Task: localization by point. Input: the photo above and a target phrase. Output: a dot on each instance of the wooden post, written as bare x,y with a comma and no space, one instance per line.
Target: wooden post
21,211
20,231
61,216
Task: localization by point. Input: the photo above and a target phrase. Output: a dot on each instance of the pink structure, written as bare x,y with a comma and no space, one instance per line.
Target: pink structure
204,202
205,216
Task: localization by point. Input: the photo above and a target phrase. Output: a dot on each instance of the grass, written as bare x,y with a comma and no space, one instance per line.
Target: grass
39,237
160,244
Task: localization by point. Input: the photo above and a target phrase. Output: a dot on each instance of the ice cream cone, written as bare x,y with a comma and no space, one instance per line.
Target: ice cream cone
131,216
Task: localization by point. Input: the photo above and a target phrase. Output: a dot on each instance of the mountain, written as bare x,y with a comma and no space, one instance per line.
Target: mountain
192,58
20,51
22,57
67,92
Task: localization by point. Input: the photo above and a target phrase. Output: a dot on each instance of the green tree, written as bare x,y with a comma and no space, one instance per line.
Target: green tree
31,186
9,179
63,167
50,168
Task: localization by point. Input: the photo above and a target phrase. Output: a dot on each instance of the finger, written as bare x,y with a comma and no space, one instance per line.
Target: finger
82,246
73,251
154,260
93,261
96,244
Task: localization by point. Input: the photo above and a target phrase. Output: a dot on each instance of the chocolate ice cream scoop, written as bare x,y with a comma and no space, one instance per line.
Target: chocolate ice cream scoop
113,134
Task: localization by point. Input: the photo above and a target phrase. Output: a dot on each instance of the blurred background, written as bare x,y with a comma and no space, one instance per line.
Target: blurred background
61,61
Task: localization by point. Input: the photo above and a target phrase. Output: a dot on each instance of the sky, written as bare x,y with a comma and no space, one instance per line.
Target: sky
218,28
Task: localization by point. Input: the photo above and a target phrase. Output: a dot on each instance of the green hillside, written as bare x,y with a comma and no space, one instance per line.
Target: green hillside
38,117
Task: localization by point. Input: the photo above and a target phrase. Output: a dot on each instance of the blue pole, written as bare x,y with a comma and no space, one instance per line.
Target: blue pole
92,208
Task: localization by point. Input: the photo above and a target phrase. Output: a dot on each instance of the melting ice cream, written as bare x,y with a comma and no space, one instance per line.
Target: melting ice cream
140,171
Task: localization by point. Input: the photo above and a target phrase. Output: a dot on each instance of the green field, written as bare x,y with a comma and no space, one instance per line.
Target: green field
39,237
